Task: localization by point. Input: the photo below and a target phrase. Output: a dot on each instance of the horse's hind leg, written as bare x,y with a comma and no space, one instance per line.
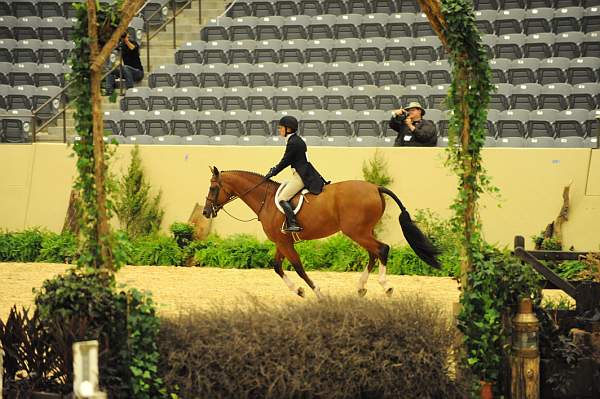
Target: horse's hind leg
384,250
376,249
290,253
277,265
365,275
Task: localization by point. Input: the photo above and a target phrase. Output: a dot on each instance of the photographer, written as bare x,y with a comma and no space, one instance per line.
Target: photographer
413,130
131,69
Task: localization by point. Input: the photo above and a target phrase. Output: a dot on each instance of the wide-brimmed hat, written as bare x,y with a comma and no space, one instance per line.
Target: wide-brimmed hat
290,122
415,104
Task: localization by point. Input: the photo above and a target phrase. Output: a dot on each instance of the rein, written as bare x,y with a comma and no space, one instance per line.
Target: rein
233,197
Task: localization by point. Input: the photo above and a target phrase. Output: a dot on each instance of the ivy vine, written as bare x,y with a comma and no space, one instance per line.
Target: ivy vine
468,101
90,248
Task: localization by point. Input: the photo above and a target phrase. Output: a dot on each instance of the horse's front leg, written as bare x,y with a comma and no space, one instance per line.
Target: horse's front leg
277,265
290,253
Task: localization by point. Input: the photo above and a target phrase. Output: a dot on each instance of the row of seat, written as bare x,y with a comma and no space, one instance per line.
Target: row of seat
33,74
568,45
51,28
514,123
339,141
578,71
529,97
395,25
33,50
65,9
264,8
30,98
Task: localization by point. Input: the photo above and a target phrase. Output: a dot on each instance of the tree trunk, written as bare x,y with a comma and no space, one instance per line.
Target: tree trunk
200,223
71,223
102,228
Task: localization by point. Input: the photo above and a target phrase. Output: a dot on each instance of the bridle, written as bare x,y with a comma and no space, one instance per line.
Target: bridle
215,207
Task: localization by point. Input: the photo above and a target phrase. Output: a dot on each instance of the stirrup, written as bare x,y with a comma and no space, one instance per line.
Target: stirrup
292,229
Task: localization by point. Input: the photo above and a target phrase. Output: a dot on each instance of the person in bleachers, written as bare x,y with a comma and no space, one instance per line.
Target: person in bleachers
304,174
413,130
131,69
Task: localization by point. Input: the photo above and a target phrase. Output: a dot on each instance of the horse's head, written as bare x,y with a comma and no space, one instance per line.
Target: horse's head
217,195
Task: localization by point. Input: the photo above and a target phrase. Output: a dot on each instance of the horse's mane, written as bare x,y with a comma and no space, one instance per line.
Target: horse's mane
272,182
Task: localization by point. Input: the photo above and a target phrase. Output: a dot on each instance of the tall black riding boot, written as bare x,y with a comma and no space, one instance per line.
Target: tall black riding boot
292,225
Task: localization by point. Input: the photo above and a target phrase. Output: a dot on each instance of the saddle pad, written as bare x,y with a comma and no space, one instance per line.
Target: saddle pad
300,200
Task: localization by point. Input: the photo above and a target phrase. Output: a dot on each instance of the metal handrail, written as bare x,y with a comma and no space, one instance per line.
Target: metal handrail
62,111
176,11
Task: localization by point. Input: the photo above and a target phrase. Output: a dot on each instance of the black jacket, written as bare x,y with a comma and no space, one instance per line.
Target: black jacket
422,136
295,156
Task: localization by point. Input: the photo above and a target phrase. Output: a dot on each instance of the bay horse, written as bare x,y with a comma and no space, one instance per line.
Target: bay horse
353,207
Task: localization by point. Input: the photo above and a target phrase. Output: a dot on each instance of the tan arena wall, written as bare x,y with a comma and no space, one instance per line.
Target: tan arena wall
35,182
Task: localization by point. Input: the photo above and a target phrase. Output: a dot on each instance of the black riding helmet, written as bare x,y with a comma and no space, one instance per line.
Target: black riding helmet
289,122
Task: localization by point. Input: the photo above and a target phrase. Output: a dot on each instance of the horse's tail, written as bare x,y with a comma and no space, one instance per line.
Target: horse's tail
415,237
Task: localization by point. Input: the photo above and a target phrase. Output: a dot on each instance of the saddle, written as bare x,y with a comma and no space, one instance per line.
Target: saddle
299,201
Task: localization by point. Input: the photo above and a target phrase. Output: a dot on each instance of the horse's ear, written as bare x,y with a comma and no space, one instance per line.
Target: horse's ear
215,171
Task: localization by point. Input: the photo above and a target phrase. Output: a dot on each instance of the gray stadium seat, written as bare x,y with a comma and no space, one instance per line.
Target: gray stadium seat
485,20
160,98
566,44
26,28
267,51
233,122
538,20
26,51
398,49
583,70
524,96
208,122
522,71
508,22
140,139
538,45
7,23
168,140
552,70
132,123
157,122
190,52
163,76
590,46
182,122
585,96
196,140
48,75
554,96
567,19
295,27
509,46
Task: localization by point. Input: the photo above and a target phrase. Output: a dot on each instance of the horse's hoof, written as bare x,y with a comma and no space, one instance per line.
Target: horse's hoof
362,292
300,292
389,291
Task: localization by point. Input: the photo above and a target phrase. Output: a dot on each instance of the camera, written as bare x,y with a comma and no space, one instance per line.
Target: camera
402,116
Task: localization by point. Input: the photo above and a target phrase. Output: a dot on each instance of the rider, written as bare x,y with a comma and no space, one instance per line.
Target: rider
304,174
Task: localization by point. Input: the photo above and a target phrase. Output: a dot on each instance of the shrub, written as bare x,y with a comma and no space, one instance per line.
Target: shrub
156,250
183,233
58,248
22,246
124,323
138,213
241,251
336,348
